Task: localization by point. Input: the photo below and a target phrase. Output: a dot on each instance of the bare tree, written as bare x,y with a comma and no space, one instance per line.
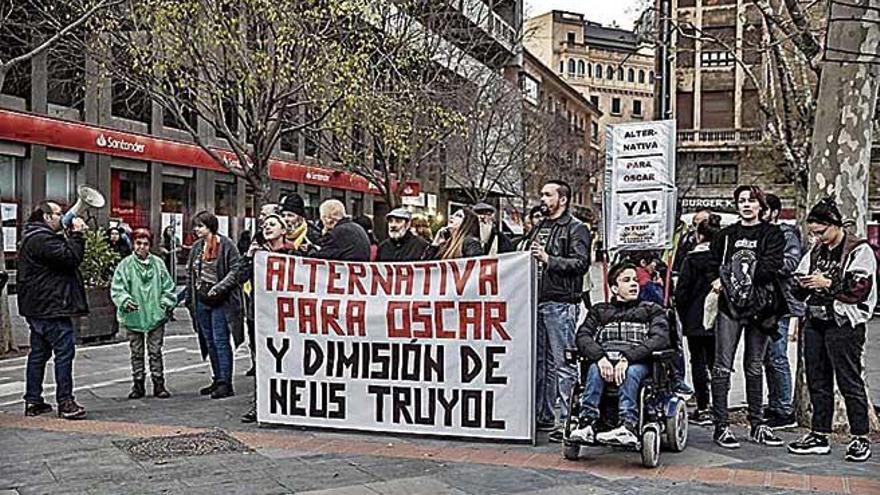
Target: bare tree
30,28
408,109
488,156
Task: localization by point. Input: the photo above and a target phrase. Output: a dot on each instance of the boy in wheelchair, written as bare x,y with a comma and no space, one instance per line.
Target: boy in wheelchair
618,338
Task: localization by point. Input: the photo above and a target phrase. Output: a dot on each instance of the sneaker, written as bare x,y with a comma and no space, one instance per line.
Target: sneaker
701,417
546,426
725,438
37,409
557,435
811,444
250,416
583,432
683,390
622,435
778,422
69,409
763,435
858,450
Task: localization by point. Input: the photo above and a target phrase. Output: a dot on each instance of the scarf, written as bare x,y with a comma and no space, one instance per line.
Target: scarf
212,248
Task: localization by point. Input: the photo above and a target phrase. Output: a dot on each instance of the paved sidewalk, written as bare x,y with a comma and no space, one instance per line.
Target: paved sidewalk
48,455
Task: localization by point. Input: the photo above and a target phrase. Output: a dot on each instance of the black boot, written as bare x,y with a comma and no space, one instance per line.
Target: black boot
224,389
138,391
251,415
209,389
159,389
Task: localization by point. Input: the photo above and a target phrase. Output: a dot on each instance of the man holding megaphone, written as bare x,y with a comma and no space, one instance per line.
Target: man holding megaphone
50,293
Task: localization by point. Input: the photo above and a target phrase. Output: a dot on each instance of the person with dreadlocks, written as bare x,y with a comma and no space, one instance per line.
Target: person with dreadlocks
838,280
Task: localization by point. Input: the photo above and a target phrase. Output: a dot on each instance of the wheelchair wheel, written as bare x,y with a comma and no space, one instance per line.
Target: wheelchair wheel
650,447
571,451
677,428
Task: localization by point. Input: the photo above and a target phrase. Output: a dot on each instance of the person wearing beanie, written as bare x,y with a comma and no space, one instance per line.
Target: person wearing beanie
143,292
401,244
300,232
837,279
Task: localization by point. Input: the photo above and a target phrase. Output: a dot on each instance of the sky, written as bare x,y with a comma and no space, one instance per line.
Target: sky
604,11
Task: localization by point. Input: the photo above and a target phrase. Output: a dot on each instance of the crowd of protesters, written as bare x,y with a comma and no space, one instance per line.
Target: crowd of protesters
754,281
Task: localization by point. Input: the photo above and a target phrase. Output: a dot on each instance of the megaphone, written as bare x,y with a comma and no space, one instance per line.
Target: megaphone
86,197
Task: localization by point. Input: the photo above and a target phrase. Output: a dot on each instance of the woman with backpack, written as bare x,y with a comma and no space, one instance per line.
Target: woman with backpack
745,264
694,285
838,280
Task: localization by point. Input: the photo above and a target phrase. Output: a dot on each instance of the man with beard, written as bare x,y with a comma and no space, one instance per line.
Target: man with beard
561,245
402,244
493,241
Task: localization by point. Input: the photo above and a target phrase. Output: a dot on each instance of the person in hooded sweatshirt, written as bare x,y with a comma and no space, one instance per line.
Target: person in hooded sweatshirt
402,244
143,292
838,280
618,338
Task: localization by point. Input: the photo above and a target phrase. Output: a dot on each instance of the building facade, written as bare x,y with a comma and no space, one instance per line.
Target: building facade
607,65
722,139
568,120
150,170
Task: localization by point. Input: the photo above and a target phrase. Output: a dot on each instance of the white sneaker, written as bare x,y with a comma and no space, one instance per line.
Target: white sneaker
620,436
583,432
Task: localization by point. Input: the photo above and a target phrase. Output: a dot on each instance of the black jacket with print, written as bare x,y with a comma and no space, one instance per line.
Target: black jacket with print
632,329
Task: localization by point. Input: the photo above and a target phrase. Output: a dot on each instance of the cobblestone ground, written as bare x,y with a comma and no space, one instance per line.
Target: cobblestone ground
48,455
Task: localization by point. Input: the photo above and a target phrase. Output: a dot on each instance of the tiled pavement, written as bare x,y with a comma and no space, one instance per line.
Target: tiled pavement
47,455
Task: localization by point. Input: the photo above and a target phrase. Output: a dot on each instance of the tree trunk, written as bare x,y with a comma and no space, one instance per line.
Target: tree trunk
841,142
7,343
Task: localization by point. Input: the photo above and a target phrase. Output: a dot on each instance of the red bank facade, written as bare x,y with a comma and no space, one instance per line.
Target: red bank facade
149,181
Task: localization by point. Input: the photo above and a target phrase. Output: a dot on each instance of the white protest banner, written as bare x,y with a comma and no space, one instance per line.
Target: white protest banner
640,185
431,347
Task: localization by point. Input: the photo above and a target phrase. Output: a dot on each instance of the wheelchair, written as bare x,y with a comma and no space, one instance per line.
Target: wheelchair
663,419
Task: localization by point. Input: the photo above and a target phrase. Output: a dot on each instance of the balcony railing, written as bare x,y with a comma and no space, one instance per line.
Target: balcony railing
479,13
719,136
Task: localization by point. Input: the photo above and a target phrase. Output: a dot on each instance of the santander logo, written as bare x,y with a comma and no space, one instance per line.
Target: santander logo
317,177
119,144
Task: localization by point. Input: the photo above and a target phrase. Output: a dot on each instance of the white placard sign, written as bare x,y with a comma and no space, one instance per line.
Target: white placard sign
640,185
9,216
177,219
433,347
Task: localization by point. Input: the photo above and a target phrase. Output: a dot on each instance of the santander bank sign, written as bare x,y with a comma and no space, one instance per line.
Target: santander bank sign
113,143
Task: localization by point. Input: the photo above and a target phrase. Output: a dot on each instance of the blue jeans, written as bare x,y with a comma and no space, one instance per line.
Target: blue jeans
628,401
48,336
556,330
778,372
215,332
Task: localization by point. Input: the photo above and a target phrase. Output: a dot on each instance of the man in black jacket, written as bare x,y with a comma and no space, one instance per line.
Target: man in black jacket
50,293
561,245
745,266
618,338
343,240
402,244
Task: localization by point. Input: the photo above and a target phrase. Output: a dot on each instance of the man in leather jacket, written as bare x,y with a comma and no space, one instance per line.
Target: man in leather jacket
561,246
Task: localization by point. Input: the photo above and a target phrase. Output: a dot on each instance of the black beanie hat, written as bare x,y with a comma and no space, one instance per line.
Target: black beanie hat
294,203
826,213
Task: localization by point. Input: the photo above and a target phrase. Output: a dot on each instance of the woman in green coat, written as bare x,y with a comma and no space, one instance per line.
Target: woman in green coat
143,292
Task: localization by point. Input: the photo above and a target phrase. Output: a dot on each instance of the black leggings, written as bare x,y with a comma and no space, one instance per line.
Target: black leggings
702,350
